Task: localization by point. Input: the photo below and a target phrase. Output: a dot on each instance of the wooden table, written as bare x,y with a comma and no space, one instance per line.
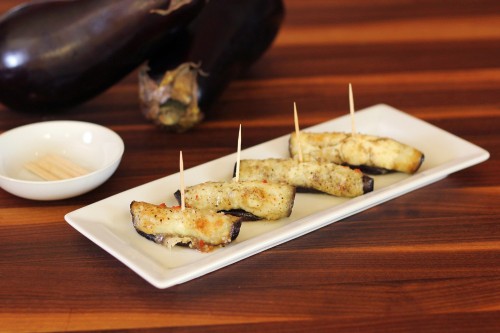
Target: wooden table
428,261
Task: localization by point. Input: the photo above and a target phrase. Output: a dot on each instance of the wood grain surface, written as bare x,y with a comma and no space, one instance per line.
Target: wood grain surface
428,261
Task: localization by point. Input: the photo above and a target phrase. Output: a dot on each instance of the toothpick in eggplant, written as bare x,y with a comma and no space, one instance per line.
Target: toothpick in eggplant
181,174
238,158
297,130
351,109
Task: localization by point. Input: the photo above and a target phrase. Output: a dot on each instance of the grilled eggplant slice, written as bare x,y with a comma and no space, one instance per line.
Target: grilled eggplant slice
371,154
251,200
181,82
309,176
203,230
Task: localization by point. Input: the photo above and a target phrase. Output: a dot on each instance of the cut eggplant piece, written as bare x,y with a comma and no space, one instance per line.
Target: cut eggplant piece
309,176
203,230
372,154
251,200
182,81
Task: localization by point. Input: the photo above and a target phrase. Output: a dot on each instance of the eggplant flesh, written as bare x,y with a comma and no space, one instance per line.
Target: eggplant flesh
57,54
369,153
203,230
181,82
243,214
311,176
250,200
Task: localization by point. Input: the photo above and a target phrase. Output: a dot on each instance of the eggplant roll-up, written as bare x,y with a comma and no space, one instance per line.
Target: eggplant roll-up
309,176
251,200
203,230
371,154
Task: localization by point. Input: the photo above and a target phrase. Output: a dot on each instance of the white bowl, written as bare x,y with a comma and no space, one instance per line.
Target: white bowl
96,148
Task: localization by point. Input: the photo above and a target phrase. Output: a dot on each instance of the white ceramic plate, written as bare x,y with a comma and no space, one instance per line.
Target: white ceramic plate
108,222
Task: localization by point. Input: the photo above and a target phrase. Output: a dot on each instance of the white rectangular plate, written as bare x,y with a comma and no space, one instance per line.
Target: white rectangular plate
108,222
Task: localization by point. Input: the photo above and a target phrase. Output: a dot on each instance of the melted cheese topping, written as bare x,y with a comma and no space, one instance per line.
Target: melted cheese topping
358,150
271,201
171,225
324,177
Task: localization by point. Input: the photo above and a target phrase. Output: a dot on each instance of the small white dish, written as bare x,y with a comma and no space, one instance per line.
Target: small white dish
93,147
108,222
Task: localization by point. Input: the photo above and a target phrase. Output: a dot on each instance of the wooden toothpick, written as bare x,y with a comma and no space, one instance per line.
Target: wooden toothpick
238,158
351,106
297,130
181,173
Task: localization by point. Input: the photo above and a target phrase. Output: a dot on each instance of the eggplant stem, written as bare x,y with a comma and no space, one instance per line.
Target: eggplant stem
174,5
173,102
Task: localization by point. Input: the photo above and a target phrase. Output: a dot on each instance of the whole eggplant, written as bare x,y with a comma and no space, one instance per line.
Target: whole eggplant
181,81
57,53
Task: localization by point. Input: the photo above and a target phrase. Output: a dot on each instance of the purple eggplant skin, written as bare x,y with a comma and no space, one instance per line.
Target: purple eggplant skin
56,54
218,46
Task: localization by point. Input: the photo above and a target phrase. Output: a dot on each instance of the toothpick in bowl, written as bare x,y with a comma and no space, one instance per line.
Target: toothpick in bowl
55,167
